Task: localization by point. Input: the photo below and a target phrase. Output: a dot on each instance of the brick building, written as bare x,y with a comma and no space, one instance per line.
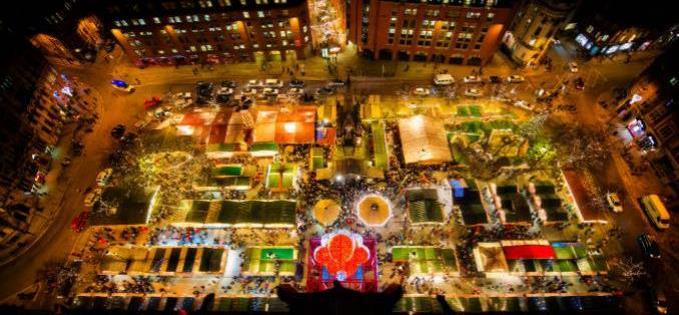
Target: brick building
448,31
168,32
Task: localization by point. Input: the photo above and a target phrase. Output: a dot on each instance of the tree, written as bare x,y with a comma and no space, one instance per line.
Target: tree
579,147
628,270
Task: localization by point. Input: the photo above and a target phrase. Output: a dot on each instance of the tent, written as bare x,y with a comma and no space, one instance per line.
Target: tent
423,140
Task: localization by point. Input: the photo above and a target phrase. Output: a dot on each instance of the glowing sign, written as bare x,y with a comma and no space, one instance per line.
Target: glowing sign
341,254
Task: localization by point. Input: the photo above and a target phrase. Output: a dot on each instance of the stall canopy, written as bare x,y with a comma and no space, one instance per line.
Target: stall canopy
423,140
286,125
539,250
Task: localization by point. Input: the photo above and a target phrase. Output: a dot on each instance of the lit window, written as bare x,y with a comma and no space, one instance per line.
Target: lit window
246,14
206,17
156,20
260,14
243,2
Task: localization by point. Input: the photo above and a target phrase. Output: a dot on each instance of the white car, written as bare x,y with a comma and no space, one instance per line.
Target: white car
104,176
273,83
614,202
523,104
248,91
270,91
573,67
515,78
92,197
472,79
444,79
420,91
295,91
225,91
473,92
255,83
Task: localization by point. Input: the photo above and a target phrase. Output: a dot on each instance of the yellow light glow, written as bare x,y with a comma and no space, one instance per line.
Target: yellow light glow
290,127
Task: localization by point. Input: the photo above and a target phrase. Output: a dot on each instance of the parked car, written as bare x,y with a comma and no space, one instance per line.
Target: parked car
472,79
579,83
104,176
204,89
421,91
295,91
255,83
614,202
92,197
79,223
223,98
658,300
335,83
121,85
248,91
573,67
270,91
515,78
523,104
273,83
296,83
471,92
495,79
152,102
118,131
649,247
229,84
444,79
325,91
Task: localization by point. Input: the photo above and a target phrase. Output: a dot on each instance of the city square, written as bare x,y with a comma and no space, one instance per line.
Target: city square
424,185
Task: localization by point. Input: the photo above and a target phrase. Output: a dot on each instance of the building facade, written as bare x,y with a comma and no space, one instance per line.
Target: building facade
454,32
37,101
608,27
534,27
209,31
650,113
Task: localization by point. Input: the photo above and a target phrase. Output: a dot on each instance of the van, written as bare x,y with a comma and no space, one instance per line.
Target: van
656,211
444,79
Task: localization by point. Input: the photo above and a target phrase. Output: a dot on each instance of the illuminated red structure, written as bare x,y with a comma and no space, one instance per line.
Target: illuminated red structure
345,257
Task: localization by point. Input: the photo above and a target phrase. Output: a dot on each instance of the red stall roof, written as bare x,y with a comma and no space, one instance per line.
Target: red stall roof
517,252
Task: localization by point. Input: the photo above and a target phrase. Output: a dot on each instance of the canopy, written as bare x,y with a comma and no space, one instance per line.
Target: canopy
326,211
490,258
374,210
423,140
517,252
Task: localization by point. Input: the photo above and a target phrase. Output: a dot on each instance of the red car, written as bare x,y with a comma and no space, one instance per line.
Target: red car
153,102
79,223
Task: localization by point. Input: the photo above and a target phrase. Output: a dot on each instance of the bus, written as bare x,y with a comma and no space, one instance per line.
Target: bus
656,211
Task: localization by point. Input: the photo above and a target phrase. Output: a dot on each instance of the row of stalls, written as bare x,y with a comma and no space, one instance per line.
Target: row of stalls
509,203
235,213
537,258
257,131
186,261
407,304
509,304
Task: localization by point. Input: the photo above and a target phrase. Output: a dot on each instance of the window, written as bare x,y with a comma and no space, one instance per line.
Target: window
156,20
260,14
246,14
490,16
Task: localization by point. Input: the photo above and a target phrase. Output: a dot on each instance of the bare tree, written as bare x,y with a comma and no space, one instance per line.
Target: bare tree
627,269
